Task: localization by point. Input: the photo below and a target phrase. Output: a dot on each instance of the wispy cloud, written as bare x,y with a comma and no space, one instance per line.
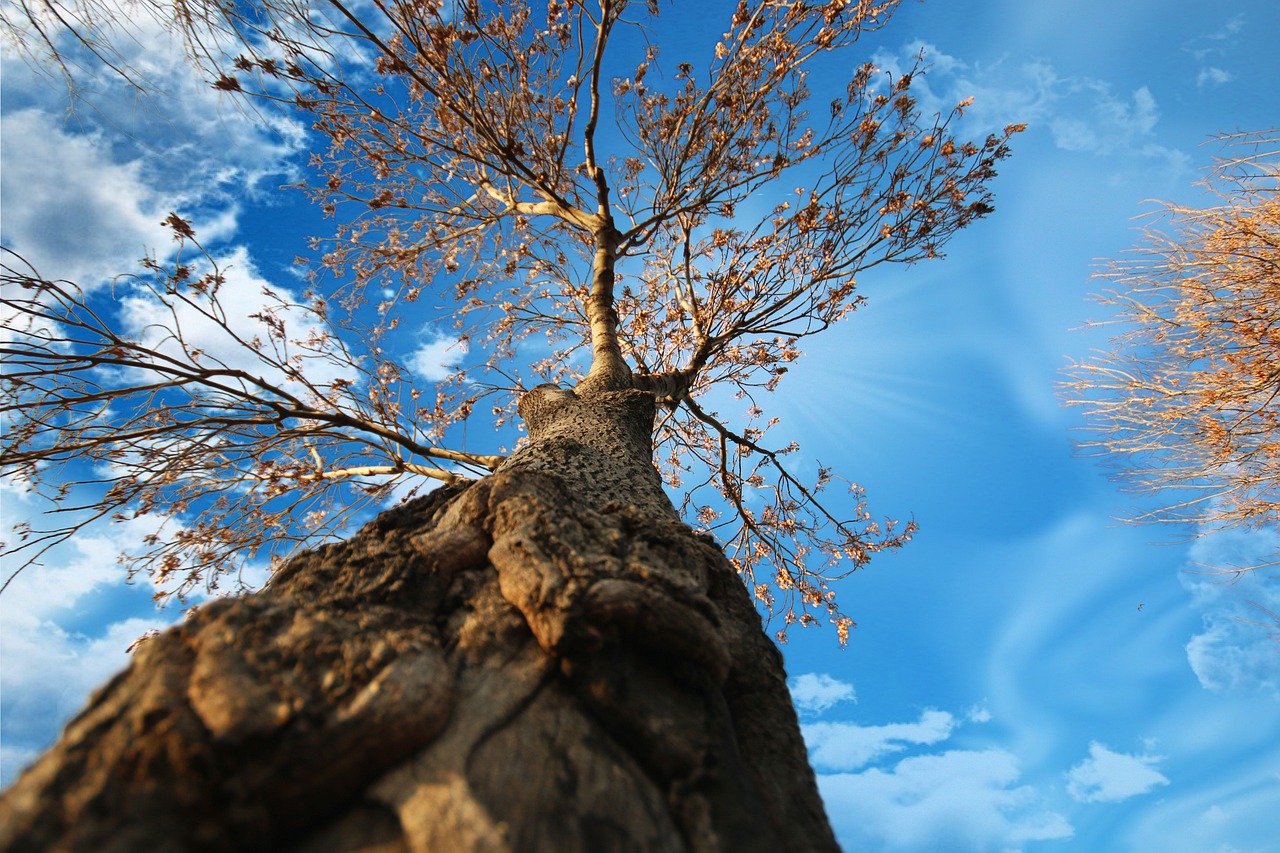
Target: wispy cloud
1109,777
1234,652
1082,114
1222,812
815,692
1233,25
1213,76
1106,123
847,746
436,358
958,800
1216,45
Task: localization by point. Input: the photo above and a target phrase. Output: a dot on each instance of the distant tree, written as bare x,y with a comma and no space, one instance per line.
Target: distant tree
547,658
1186,401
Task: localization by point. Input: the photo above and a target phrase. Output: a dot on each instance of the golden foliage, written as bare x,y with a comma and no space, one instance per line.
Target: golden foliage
1187,399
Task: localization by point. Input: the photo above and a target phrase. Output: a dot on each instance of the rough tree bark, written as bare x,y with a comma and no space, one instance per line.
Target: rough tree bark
546,660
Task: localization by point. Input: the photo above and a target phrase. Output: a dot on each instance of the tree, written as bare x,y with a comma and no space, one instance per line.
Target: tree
466,157
1186,401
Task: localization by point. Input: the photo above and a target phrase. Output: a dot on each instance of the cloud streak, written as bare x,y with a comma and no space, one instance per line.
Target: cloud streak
1110,777
815,692
1082,114
847,746
957,800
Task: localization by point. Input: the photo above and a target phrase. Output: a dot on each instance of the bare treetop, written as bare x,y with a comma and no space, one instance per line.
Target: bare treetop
597,213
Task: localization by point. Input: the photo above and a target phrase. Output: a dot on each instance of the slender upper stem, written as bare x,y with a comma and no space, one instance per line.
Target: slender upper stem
609,371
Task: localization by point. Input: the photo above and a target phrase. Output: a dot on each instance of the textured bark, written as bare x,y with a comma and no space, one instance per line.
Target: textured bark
512,666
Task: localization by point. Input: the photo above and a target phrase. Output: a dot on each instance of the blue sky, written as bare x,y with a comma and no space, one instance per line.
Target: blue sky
1027,674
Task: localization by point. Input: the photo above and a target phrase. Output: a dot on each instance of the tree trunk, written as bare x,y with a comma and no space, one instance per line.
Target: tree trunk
547,660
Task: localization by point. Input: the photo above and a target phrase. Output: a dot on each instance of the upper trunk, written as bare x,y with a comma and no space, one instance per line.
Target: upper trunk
609,370
547,660
599,444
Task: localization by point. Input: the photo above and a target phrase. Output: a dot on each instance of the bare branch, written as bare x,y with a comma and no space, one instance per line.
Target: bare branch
465,164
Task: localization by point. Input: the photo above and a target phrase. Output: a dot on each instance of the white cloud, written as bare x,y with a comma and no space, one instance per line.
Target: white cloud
815,692
1110,777
69,572
978,714
240,296
84,191
1236,650
48,668
1235,655
49,674
1105,123
846,746
1082,114
957,801
1212,76
436,359
69,209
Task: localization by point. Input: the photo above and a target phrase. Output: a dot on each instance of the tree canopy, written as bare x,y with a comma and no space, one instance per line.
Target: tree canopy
1186,400
540,183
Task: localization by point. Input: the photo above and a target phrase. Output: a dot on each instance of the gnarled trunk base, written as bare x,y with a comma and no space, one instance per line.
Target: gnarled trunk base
496,668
